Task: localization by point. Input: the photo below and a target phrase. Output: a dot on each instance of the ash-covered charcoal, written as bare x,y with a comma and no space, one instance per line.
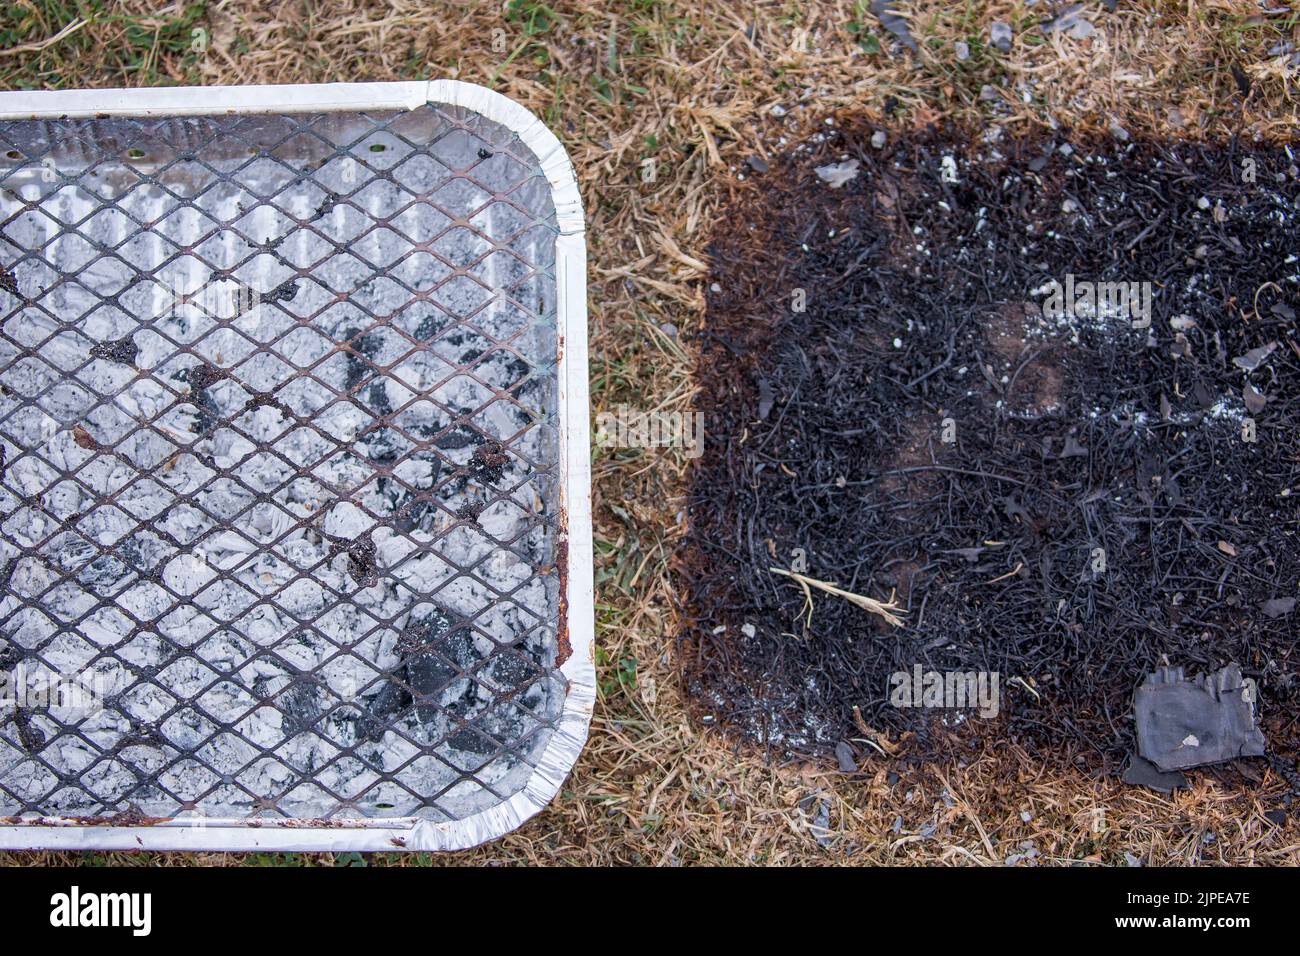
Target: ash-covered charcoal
1185,723
435,651
123,351
97,569
248,541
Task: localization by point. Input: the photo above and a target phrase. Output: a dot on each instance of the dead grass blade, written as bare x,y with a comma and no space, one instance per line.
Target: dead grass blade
885,609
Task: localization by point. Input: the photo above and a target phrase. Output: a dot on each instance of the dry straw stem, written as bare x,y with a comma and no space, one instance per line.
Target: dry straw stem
885,610
693,85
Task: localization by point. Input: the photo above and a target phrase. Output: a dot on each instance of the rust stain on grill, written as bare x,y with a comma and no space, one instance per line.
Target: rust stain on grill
564,648
84,438
127,818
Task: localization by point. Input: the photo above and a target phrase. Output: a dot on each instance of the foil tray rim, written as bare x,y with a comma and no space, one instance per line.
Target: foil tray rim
579,670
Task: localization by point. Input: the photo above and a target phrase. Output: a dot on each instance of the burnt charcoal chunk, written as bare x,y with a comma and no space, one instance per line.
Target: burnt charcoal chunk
437,646
360,347
384,707
511,672
434,650
469,740
847,761
32,738
429,327
457,437
377,397
1185,723
9,282
9,657
300,705
284,292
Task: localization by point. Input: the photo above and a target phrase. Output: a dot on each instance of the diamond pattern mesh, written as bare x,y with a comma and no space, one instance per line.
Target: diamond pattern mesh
279,486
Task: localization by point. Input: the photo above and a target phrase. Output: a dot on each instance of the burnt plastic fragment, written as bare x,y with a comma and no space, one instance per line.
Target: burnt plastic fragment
1143,773
1185,723
844,754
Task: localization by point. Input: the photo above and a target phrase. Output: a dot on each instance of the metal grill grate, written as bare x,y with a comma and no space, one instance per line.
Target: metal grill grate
280,496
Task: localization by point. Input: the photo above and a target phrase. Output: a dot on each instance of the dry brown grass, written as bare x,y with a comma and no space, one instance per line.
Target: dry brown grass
691,85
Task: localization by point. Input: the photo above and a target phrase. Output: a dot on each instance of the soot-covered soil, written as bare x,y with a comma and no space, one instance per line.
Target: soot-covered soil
1071,439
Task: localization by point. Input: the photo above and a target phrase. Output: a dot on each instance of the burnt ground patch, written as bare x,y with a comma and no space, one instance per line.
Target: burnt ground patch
1075,437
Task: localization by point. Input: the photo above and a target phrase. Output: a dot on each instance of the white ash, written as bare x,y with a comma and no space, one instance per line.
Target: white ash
289,588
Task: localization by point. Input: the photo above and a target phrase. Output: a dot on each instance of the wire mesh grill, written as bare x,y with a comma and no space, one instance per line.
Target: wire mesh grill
279,485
